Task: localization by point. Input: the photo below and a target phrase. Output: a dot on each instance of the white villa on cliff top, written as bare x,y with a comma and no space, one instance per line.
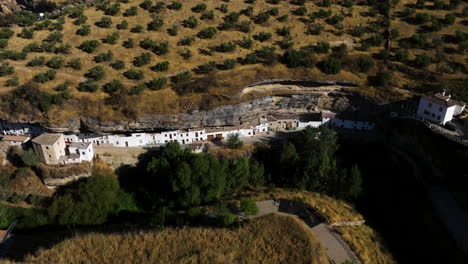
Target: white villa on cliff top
439,108
52,150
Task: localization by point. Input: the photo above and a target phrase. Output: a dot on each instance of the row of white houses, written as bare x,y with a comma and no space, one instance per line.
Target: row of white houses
270,123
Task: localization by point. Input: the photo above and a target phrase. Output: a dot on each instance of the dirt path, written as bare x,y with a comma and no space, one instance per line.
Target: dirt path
337,249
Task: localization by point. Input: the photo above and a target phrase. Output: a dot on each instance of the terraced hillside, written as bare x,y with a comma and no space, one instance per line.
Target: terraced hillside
112,60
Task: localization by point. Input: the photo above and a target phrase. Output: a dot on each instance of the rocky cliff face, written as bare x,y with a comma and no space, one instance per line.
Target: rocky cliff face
9,6
229,115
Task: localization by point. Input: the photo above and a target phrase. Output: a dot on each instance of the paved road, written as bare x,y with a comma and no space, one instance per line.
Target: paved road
337,249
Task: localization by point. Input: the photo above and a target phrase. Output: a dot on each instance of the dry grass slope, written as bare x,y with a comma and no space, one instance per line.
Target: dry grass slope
271,239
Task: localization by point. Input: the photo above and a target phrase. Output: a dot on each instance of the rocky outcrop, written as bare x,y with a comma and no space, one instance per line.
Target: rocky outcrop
9,6
228,115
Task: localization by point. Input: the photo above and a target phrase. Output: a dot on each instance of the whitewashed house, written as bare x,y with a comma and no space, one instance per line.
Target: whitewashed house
85,151
439,108
52,149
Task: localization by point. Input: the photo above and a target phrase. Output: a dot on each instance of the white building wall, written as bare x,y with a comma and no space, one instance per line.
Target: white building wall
431,111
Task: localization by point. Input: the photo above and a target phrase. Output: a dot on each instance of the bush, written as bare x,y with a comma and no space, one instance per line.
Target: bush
383,79
186,54
6,33
89,46
246,43
175,5
249,207
422,61
6,69
3,43
63,49
157,83
207,33
224,47
74,64
134,74
208,15
122,25
63,86
112,10
206,68
322,47
45,76
54,37
190,22
85,30
199,8
186,41
136,90
137,29
156,24
172,31
118,65
228,64
330,66
261,18
26,33
293,58
301,11
96,73
29,158
111,38
132,11
36,61
80,20
262,36
129,43
183,77
142,60
233,142
55,63
112,86
88,86
14,81
161,66
449,19
105,22
103,56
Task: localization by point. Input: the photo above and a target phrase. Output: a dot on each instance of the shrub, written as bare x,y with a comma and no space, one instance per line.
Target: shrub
233,141
122,25
261,18
186,54
172,31
225,47
45,76
322,47
129,43
3,43
401,55
244,26
183,77
246,43
301,11
330,66
161,66
296,58
74,64
136,90
186,41
63,48
6,69
105,22
54,37
157,83
206,68
112,10
89,46
137,29
146,5
142,60
118,65
199,8
13,81
250,58
36,61
262,36
111,38
134,74
63,86
223,8
88,86
383,79
132,11
156,24
55,63
96,73
103,56
228,64
207,33
80,20
449,19
26,33
84,30
112,86
175,5
422,61
208,15
190,22
248,206
6,33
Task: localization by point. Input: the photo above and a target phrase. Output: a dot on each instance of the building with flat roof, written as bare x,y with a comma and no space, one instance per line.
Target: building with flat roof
49,148
439,108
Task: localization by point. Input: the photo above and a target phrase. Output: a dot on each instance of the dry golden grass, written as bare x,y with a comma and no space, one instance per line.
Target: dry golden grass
223,85
367,244
365,241
270,239
227,153
332,209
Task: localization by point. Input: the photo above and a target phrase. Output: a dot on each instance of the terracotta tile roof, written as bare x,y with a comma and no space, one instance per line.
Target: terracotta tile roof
15,138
